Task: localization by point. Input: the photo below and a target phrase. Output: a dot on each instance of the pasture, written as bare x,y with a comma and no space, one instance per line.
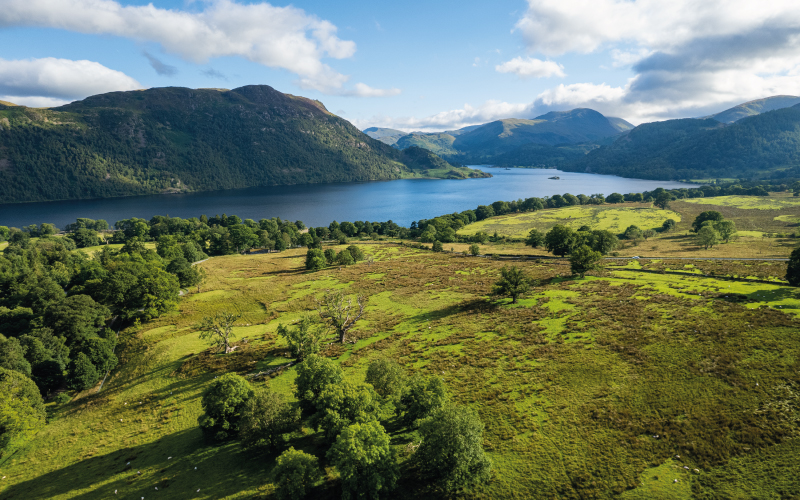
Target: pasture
613,386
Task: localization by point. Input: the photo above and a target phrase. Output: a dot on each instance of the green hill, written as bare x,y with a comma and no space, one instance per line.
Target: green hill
439,143
756,107
6,103
385,135
179,139
762,146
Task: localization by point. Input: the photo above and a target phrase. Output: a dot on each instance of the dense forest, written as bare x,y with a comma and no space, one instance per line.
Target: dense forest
178,139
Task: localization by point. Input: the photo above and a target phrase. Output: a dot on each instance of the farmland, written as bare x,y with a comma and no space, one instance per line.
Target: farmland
616,385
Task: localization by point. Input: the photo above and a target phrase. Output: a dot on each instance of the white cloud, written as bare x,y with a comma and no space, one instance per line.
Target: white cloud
278,37
529,67
51,82
363,90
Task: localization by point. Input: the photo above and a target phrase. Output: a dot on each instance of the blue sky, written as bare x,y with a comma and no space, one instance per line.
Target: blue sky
413,65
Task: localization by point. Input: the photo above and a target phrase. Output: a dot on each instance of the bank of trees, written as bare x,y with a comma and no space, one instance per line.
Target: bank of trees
350,418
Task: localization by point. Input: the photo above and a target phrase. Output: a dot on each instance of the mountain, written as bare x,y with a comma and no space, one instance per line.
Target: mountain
575,126
756,107
6,103
385,135
438,143
766,145
178,139
620,124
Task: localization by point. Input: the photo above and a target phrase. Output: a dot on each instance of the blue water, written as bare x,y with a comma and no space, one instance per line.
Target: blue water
402,201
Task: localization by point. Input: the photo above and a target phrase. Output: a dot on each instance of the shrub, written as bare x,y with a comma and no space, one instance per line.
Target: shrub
474,250
315,259
437,246
304,339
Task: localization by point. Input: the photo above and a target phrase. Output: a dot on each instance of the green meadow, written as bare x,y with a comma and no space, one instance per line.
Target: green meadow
626,384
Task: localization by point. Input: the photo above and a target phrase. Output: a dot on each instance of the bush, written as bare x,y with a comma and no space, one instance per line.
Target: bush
315,259
295,473
365,460
474,250
265,419
423,396
62,398
222,403
437,246
344,258
356,253
451,452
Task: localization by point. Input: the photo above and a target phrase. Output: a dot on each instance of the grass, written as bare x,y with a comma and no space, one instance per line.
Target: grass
572,382
608,217
748,202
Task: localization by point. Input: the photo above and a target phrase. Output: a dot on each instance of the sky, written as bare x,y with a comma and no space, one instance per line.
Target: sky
413,65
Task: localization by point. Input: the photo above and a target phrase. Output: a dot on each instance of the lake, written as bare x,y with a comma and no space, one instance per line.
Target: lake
402,201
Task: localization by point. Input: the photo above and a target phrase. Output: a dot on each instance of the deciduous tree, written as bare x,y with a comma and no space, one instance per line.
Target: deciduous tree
223,403
218,329
295,474
512,283
339,311
365,460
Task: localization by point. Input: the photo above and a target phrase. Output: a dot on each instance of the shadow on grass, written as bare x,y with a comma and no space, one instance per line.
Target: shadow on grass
467,306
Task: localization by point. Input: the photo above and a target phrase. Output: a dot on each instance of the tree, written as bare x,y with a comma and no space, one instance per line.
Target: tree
615,198
187,274
707,236
365,460
330,256
12,356
314,374
338,311
223,403
356,253
474,250
711,215
423,396
726,229
668,225
344,258
634,234
535,238
304,339
648,233
22,411
793,268
451,452
345,403
584,259
295,473
512,283
437,246
662,200
560,240
81,373
315,259
387,377
265,419
603,241
76,318
219,329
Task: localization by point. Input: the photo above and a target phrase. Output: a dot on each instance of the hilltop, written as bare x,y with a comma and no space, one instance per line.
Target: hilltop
178,139
756,107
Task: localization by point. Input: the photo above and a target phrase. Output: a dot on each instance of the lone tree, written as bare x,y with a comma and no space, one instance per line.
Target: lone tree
339,311
365,460
634,234
793,270
512,283
451,452
474,250
584,259
295,473
726,229
662,200
219,329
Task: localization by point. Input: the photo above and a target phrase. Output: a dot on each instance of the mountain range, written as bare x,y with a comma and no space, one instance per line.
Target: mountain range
178,139
756,139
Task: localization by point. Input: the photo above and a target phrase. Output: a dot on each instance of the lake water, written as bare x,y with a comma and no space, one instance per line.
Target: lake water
402,201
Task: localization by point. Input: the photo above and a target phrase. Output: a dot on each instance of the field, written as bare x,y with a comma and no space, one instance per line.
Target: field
613,386
609,217
749,202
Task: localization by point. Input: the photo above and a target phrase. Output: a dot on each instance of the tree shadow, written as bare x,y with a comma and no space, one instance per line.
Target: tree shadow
467,306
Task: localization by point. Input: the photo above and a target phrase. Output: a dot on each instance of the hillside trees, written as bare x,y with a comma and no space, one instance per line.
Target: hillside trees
265,419
584,259
304,337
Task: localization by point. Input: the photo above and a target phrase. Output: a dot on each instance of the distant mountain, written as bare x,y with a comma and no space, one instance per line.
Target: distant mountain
502,136
6,103
756,107
766,145
385,135
438,143
178,139
620,124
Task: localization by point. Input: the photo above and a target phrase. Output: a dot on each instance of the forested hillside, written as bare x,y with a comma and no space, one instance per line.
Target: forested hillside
178,139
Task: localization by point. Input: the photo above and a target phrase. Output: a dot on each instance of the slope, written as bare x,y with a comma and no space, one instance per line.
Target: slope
178,139
756,107
385,135
761,146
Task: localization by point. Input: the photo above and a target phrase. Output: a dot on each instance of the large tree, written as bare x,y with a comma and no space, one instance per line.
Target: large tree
295,474
584,259
561,240
218,329
707,236
265,419
451,452
365,459
339,311
314,374
793,269
22,411
708,215
424,395
223,403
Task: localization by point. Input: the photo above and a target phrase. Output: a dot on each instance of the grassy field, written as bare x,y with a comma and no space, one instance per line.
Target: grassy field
614,386
609,217
749,202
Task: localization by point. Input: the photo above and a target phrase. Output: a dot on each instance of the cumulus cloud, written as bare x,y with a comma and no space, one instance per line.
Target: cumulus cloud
363,90
160,67
51,82
688,57
529,67
278,37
